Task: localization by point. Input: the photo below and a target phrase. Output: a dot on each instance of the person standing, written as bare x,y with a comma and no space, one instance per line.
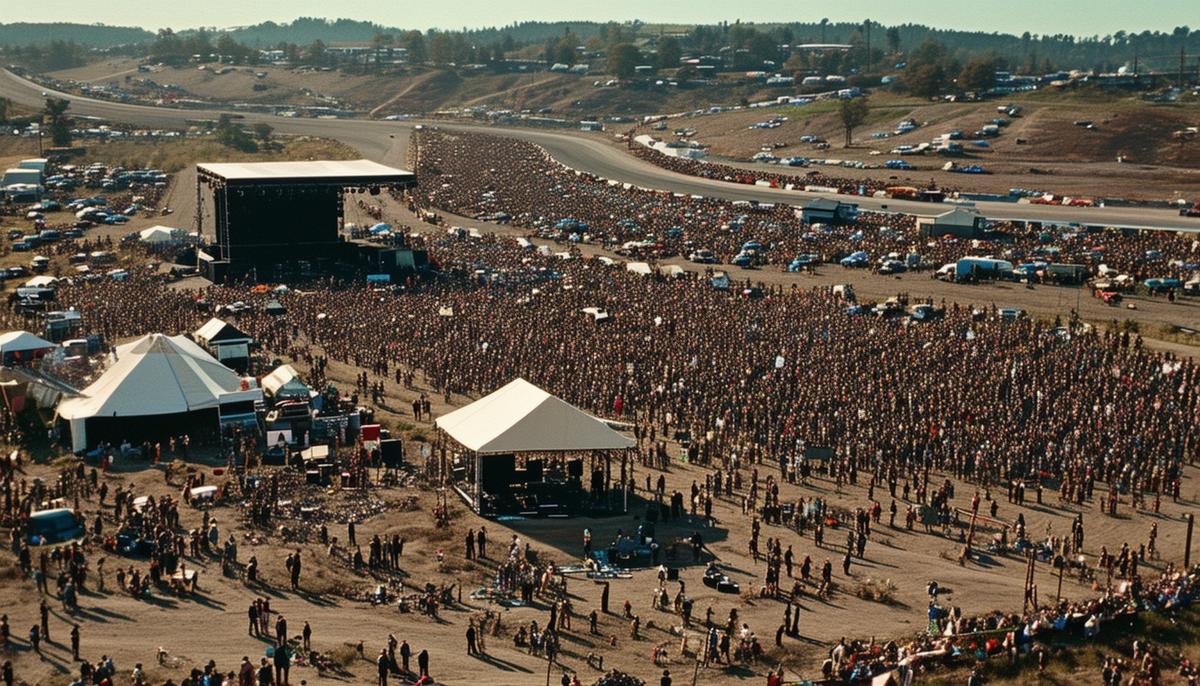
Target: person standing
252,614
282,664
423,663
295,570
264,673
471,649
306,634
666,678
350,533
470,542
44,610
405,653
246,672
381,663
75,642
481,543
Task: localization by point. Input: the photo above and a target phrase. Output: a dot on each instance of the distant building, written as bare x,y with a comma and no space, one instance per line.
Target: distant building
962,222
828,211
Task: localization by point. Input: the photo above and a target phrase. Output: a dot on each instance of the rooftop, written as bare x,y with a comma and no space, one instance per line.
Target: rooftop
329,171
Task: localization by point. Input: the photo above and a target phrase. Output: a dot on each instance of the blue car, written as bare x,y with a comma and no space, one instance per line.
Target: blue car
855,260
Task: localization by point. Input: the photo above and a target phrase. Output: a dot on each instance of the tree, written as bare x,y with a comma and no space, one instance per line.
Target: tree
623,60
925,80
231,135
854,114
57,120
669,52
441,48
316,54
925,75
893,39
263,131
414,43
5,105
979,75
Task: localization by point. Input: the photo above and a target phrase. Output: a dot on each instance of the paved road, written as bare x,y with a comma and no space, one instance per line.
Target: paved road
387,142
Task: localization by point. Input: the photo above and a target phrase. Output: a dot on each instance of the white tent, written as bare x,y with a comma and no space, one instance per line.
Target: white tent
20,342
521,417
155,375
284,382
160,234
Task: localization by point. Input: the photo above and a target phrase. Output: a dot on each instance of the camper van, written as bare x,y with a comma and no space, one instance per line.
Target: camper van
52,527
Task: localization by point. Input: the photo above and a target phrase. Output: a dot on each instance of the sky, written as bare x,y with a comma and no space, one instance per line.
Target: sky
1078,17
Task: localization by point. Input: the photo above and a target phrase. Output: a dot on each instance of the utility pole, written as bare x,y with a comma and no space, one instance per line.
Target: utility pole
1187,546
868,22
1182,58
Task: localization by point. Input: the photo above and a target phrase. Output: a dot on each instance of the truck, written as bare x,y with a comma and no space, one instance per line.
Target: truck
1066,273
980,268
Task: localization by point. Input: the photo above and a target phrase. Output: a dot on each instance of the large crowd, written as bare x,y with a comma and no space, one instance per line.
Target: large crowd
787,383
523,185
749,379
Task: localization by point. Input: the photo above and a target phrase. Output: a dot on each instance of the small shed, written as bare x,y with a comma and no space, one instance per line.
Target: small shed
224,341
961,222
828,211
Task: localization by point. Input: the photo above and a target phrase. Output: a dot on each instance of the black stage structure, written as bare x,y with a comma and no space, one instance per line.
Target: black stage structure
275,218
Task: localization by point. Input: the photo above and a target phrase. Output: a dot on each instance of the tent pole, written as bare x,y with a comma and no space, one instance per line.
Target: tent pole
478,485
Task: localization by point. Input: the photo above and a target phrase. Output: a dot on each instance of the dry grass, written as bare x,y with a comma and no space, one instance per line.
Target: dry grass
877,590
173,155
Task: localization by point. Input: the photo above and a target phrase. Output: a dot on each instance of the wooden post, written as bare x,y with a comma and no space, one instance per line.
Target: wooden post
1187,546
1061,568
696,671
1029,594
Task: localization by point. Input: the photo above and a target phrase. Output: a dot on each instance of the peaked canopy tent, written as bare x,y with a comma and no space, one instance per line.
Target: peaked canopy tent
21,346
285,383
169,378
225,342
162,235
522,419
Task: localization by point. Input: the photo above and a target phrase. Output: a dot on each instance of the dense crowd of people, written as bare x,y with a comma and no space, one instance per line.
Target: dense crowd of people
748,379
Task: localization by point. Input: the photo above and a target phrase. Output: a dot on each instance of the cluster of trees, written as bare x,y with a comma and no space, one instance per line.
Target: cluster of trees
177,48
232,135
56,120
51,56
90,35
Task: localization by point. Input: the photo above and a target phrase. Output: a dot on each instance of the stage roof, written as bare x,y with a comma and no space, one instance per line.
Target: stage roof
348,172
521,417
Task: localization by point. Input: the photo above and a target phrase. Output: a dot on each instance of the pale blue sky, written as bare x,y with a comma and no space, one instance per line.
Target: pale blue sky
1079,17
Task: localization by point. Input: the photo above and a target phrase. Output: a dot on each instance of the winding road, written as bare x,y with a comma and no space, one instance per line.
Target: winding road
387,142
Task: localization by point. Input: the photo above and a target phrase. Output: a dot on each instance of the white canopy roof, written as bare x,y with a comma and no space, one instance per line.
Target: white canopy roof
342,169
160,234
284,377
521,417
219,331
18,341
153,375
